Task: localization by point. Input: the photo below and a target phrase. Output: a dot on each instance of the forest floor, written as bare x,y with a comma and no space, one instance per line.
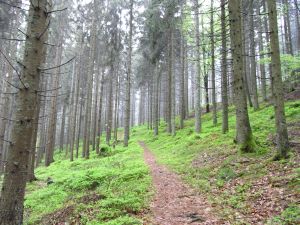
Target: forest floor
175,203
184,179
240,188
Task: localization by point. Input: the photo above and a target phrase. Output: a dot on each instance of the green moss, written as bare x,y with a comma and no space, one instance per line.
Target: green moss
208,161
291,215
249,145
122,178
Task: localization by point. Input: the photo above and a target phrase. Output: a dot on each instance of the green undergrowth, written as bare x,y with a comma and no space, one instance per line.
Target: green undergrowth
108,189
209,161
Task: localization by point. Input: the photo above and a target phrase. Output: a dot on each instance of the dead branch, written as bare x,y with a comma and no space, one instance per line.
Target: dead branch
55,67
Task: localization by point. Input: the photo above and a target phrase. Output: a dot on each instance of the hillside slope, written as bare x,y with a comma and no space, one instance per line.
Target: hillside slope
115,188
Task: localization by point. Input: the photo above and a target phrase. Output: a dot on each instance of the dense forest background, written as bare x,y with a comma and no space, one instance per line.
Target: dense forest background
83,81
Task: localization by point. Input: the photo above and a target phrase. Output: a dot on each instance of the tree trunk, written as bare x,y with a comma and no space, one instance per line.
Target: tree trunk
253,57
182,83
269,50
261,57
156,99
224,70
186,82
281,128
243,129
198,73
109,106
100,114
95,113
213,71
116,109
287,27
63,123
128,80
297,25
13,187
169,85
51,134
173,86
90,80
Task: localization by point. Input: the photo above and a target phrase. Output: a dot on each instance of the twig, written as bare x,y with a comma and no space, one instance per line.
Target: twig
32,4
44,31
48,90
23,32
19,76
12,84
58,10
51,68
7,141
56,73
4,118
11,39
45,43
53,96
6,93
14,6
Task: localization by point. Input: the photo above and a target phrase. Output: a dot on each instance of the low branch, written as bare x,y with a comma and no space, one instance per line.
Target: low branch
54,89
55,67
44,31
19,76
23,33
13,6
58,10
56,73
12,84
45,43
11,39
53,96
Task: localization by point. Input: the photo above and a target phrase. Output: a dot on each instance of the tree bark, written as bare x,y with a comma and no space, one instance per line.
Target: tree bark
253,57
243,129
261,49
90,79
281,128
128,80
13,187
182,83
213,70
198,73
224,70
100,114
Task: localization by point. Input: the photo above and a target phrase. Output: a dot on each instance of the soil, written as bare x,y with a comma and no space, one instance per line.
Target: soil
174,202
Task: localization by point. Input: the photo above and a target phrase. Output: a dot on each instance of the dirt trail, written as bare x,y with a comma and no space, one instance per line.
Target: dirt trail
174,202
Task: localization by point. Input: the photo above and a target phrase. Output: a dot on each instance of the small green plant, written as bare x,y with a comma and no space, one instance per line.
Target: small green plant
289,216
226,174
105,150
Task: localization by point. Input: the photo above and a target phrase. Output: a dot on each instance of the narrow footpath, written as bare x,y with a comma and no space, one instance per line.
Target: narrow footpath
174,202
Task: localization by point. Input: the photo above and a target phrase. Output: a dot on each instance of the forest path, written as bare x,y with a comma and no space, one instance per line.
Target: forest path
174,202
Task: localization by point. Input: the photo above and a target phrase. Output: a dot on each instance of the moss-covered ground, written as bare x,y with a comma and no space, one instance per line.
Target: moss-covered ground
116,188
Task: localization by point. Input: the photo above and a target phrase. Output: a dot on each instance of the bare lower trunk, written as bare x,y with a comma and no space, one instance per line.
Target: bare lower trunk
253,57
198,73
261,49
100,114
224,70
109,106
13,187
243,129
62,130
181,90
281,128
128,80
213,71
